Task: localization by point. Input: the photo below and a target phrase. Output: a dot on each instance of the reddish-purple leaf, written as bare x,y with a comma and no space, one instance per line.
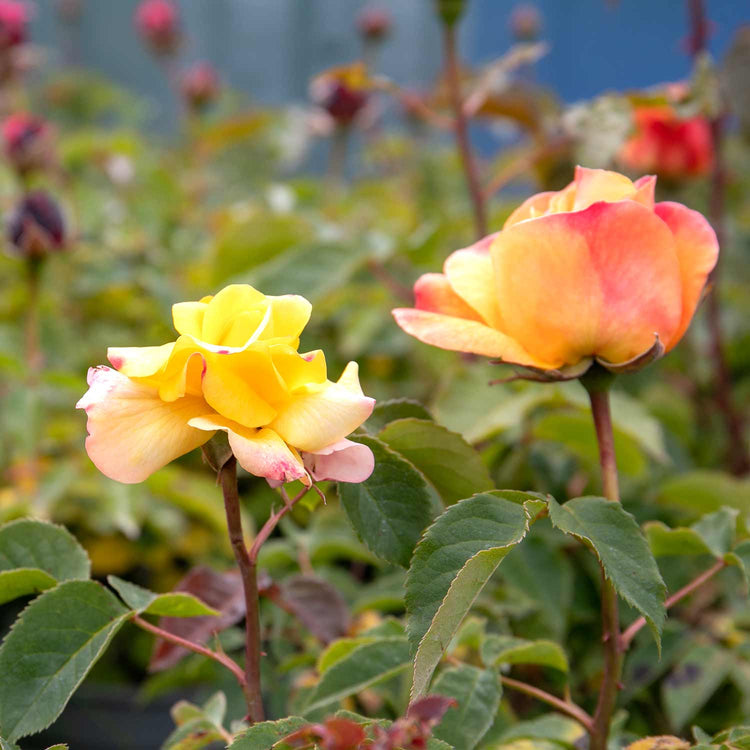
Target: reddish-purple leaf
222,591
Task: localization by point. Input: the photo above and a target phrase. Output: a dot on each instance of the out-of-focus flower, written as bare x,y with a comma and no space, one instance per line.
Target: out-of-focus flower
668,145
525,22
596,271
36,226
234,368
120,169
342,92
374,23
27,141
158,22
14,21
200,86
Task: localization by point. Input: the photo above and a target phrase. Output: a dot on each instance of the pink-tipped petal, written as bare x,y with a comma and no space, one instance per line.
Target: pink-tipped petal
459,335
132,432
139,361
697,252
344,461
434,293
261,452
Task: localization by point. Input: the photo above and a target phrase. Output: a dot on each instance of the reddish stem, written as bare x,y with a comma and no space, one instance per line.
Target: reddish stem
627,637
461,127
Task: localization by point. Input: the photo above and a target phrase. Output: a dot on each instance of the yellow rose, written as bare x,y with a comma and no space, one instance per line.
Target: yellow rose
236,368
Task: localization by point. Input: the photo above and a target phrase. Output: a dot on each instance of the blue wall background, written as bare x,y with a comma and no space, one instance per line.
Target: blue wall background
271,48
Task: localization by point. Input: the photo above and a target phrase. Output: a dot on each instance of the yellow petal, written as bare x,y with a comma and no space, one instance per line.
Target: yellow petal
319,415
297,370
188,318
132,432
290,313
139,361
223,308
261,452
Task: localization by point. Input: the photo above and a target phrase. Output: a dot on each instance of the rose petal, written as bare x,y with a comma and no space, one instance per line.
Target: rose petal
139,361
459,335
344,461
434,293
132,432
318,415
604,281
261,452
697,252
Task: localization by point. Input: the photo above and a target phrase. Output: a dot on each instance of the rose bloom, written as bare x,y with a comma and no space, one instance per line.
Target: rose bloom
27,141
14,20
594,271
234,368
157,22
667,145
342,92
374,23
36,227
200,86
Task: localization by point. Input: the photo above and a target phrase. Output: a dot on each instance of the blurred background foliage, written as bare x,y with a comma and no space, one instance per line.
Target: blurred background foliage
152,219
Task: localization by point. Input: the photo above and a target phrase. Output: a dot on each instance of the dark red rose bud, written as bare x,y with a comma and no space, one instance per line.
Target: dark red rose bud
27,141
158,22
526,22
200,86
374,23
14,21
36,227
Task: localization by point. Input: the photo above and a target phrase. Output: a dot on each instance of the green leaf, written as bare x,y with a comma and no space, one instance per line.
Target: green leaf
389,411
50,649
22,582
505,649
360,668
175,604
551,727
265,735
26,543
477,693
693,681
740,556
390,509
451,565
713,535
5,745
702,491
197,727
622,549
450,464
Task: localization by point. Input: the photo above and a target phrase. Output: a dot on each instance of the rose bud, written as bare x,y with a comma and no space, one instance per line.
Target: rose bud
374,24
667,145
596,272
158,23
200,86
27,141
525,22
14,21
36,227
341,92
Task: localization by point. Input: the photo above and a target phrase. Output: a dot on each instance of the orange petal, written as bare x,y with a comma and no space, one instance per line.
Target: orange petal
470,273
697,252
599,282
433,293
459,335
594,185
537,205
261,452
132,432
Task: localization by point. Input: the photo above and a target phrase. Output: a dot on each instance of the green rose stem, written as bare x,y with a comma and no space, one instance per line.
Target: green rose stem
461,129
248,573
34,361
597,382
